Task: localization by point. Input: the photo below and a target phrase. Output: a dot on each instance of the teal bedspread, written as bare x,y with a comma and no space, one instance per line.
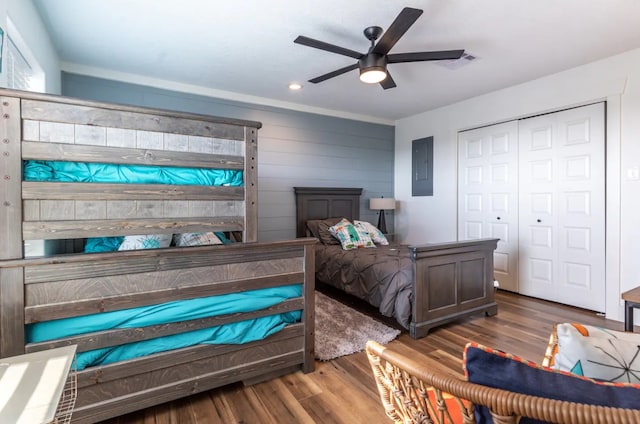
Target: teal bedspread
169,312
36,170
57,171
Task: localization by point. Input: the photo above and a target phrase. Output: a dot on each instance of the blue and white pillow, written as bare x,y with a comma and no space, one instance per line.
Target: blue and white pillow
374,233
146,241
196,239
350,237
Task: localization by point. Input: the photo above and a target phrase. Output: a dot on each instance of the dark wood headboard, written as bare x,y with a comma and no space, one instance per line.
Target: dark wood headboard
325,202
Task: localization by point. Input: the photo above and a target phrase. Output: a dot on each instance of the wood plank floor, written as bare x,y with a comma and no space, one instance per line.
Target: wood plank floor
343,390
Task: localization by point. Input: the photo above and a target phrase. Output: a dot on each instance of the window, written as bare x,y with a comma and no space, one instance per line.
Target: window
18,69
23,71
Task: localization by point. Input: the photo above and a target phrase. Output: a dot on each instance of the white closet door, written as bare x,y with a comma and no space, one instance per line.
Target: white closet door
562,207
488,196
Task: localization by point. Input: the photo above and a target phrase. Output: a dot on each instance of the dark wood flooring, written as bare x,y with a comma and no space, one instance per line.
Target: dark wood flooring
343,390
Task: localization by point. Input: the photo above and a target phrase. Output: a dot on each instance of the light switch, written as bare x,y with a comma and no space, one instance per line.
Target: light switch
633,173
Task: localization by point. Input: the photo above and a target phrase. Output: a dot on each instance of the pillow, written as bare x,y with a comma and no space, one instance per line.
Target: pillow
325,235
312,225
223,238
195,239
598,353
497,369
146,241
376,235
103,244
349,236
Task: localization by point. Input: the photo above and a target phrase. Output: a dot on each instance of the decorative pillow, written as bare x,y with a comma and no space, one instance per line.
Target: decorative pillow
103,244
376,235
598,353
146,241
497,369
349,236
195,239
224,239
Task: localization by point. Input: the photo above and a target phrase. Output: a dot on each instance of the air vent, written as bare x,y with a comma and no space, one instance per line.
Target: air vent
464,60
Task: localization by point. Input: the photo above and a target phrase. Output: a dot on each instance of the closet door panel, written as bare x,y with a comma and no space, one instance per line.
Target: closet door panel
562,203
487,196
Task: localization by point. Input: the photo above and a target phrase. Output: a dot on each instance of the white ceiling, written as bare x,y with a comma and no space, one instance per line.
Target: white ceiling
246,47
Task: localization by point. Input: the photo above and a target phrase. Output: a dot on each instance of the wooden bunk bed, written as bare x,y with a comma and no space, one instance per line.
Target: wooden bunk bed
42,289
447,281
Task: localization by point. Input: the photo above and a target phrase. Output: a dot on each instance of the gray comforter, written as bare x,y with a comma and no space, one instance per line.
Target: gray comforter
381,276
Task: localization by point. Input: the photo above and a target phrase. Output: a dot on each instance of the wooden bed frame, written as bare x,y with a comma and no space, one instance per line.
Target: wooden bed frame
452,280
44,127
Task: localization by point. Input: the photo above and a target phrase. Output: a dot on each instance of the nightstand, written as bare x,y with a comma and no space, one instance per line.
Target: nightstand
631,300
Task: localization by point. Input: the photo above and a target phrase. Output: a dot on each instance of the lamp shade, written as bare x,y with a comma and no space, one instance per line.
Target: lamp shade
382,203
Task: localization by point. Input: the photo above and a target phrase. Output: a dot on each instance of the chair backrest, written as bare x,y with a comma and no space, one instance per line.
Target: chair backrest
412,393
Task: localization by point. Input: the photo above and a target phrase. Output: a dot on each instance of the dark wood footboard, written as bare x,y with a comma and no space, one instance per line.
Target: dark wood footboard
452,280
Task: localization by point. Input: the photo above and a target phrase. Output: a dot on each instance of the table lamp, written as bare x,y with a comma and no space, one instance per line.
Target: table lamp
382,204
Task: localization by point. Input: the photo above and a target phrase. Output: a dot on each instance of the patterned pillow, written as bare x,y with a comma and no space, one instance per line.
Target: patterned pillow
376,235
146,241
598,353
103,244
195,239
497,369
349,236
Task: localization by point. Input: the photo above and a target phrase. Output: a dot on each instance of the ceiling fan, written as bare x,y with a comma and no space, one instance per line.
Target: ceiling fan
373,64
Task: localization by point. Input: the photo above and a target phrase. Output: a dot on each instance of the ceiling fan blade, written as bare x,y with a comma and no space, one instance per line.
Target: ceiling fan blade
388,82
400,25
424,56
316,44
334,73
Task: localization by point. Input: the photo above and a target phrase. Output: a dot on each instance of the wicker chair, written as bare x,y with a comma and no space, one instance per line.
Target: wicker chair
412,393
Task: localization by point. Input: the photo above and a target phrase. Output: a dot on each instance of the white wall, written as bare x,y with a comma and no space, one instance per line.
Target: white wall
615,79
27,20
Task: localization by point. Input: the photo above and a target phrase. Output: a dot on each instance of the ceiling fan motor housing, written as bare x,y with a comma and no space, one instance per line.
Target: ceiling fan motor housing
373,61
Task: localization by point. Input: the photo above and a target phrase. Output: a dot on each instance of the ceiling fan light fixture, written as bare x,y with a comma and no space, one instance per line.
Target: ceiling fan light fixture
373,75
373,68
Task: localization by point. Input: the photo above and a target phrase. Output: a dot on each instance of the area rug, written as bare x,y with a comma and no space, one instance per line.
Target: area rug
341,330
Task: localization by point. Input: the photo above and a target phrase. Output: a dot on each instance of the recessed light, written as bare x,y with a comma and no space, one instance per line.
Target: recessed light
295,86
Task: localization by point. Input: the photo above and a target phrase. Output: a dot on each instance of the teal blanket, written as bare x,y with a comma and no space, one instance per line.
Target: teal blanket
36,170
170,312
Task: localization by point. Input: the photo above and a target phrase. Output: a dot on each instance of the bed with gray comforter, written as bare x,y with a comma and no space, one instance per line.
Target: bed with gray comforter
382,276
422,286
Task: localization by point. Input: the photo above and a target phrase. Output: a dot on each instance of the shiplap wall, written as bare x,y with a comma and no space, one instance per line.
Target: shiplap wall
295,149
